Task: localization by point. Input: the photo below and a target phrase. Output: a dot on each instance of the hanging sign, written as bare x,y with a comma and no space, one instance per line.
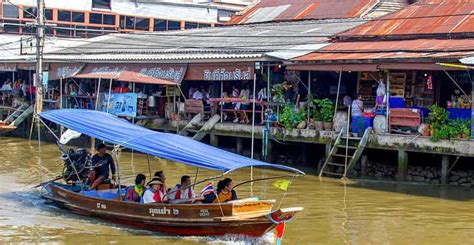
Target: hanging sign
120,104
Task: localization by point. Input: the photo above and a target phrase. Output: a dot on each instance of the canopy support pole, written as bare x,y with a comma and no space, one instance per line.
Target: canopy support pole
455,83
337,95
110,94
61,100
253,131
149,167
38,124
309,92
222,103
388,102
133,152
116,160
268,82
196,176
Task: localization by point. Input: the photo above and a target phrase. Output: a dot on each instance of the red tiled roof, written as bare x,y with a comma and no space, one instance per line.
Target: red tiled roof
306,9
426,17
405,49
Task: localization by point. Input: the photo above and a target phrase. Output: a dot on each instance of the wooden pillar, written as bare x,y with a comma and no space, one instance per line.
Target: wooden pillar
239,145
444,169
269,151
363,165
402,164
214,140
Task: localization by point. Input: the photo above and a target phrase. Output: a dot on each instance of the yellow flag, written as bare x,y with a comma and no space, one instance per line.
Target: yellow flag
281,184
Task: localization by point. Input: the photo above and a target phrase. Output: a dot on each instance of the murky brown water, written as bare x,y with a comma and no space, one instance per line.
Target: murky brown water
366,213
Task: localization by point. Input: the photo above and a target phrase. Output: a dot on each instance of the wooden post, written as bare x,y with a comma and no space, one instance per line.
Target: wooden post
402,164
239,145
269,151
214,140
444,169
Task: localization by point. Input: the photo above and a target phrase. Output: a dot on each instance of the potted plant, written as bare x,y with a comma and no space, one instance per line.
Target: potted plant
290,118
318,120
439,123
327,113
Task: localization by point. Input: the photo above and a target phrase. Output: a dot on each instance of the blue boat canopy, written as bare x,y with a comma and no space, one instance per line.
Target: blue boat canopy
173,147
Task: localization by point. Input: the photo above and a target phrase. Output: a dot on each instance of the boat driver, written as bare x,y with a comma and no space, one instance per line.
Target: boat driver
103,163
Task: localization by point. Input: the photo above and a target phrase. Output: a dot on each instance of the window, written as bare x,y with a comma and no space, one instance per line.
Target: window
109,19
106,19
64,15
101,4
77,17
160,25
29,13
48,14
10,11
130,23
174,25
70,16
190,25
142,24
201,25
95,18
11,26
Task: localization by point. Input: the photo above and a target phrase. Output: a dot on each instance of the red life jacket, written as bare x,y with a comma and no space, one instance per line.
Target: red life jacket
157,196
178,193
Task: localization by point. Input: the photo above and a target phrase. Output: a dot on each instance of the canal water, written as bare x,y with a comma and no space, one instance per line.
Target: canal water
354,213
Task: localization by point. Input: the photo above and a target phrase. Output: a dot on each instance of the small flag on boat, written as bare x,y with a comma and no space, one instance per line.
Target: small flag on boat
280,229
207,189
282,184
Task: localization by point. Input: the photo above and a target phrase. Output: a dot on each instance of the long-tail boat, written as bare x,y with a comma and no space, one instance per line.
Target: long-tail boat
251,217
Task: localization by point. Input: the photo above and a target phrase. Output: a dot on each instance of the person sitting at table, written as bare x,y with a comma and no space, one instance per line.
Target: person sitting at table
7,86
235,105
197,95
240,110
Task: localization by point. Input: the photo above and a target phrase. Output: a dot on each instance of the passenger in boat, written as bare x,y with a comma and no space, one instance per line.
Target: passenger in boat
154,193
225,192
161,175
135,192
183,193
103,163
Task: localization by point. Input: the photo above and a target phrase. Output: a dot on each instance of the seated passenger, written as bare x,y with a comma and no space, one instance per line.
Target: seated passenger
225,192
103,163
161,176
135,192
183,193
154,193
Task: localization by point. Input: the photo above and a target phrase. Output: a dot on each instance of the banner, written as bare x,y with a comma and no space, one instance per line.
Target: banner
120,104
220,72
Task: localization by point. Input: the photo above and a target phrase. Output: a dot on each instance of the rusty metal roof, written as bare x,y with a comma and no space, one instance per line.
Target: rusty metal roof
426,17
386,50
285,10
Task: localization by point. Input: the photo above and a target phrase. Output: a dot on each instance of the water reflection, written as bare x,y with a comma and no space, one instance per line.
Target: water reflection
335,212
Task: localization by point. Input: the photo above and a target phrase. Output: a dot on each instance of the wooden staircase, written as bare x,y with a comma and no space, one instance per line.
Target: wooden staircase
344,154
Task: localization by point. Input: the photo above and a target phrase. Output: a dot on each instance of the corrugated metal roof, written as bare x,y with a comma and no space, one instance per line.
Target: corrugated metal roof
222,42
426,17
405,49
304,10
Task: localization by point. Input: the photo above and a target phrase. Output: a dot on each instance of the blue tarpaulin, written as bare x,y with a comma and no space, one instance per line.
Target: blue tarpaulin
173,147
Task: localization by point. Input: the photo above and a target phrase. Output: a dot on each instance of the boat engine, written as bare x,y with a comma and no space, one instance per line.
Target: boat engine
79,160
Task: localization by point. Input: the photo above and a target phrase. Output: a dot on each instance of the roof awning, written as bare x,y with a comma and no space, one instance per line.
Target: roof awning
112,129
104,71
137,73
333,67
7,67
296,51
58,71
221,72
154,74
27,66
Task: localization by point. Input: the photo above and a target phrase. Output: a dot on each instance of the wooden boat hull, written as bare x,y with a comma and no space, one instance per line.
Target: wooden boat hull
249,218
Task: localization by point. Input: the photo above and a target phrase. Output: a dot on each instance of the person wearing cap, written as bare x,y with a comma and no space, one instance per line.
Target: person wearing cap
154,193
103,163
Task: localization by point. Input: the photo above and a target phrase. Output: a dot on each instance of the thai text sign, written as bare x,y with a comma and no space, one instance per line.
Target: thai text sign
221,72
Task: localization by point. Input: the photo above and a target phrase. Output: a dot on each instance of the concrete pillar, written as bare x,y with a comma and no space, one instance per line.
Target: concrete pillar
444,169
239,145
363,165
402,164
304,153
269,151
328,149
214,140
